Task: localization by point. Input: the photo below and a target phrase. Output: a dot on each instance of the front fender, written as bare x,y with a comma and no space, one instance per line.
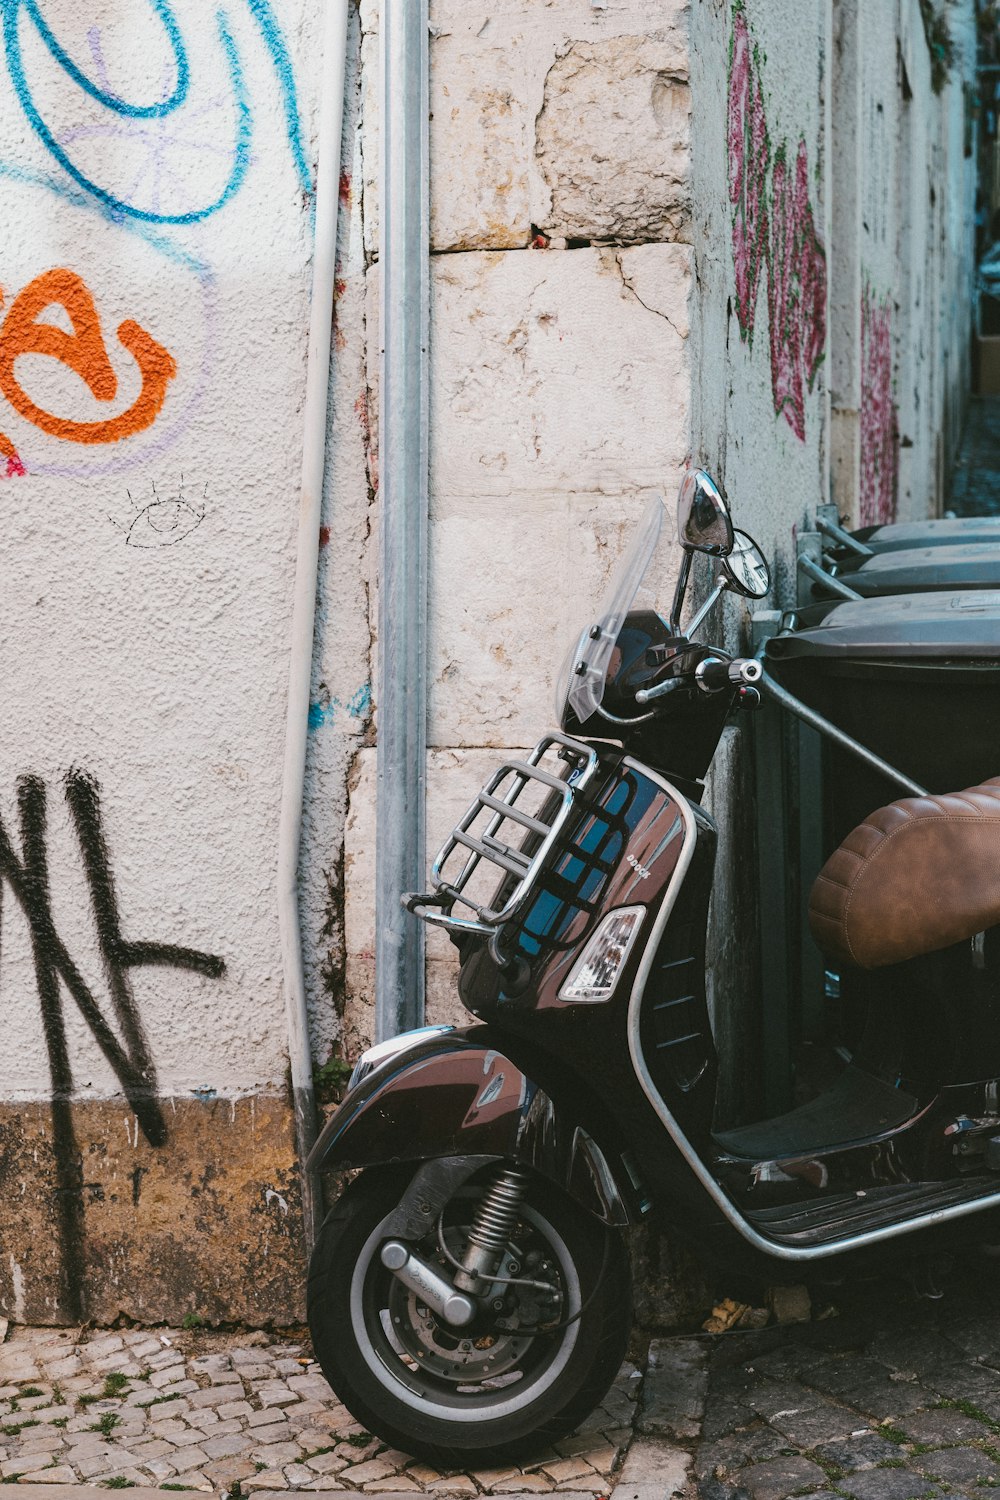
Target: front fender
456,1096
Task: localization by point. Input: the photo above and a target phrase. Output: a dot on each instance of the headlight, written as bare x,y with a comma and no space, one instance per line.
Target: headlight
378,1054
596,971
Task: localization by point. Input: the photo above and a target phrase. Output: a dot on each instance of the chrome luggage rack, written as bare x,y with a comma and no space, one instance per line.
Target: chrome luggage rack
492,834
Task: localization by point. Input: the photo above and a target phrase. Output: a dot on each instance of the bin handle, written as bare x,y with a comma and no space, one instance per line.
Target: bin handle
824,726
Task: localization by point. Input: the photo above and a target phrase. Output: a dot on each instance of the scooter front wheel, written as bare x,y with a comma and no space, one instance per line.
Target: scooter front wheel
526,1372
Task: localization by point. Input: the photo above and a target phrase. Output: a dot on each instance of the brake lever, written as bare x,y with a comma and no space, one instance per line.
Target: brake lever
648,695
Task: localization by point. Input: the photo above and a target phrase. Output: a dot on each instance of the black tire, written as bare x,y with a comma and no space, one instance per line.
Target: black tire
553,1384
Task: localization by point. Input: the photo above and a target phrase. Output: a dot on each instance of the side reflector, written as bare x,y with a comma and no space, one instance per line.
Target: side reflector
596,971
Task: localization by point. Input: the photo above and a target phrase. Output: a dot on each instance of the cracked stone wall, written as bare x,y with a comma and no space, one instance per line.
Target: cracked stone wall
561,284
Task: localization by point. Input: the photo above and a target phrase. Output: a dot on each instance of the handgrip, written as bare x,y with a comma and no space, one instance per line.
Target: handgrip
714,675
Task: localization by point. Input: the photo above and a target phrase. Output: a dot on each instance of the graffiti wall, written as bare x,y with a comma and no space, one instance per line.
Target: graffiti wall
833,254
879,416
773,235
761,323
156,183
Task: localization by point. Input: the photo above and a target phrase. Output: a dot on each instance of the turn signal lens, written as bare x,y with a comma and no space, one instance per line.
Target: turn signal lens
596,971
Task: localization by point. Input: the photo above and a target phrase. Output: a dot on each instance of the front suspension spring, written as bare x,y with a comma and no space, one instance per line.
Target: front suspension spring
491,1227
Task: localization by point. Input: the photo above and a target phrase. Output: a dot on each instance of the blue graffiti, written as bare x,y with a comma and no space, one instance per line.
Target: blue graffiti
120,207
104,96
361,702
275,43
321,714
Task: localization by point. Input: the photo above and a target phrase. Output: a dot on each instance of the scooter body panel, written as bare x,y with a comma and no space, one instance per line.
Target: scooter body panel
458,1095
640,843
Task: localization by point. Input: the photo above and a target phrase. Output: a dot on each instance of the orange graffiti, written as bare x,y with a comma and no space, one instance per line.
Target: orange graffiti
84,352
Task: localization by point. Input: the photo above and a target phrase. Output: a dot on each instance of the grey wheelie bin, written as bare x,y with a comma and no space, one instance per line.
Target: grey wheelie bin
914,677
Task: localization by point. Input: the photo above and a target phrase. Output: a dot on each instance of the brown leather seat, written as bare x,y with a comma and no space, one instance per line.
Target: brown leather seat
915,876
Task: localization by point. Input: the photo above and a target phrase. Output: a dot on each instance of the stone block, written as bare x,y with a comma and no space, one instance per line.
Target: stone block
498,633
673,1395
883,1484
653,1470
790,1304
964,1467
613,140
276,1454
814,1422
490,71
482,127
781,1477
529,345
566,1469
189,1458
360,1474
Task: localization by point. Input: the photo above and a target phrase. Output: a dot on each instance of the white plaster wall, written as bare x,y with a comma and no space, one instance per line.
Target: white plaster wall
145,625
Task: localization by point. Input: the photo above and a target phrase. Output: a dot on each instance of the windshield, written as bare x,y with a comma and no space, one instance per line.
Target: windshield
584,674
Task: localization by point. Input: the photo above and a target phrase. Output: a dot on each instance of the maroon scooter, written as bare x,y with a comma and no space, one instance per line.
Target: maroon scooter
469,1295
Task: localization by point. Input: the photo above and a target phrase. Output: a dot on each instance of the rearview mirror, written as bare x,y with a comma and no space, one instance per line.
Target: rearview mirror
703,523
746,568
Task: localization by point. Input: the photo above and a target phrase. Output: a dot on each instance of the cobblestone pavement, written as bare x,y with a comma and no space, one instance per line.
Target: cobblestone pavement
198,1410
893,1398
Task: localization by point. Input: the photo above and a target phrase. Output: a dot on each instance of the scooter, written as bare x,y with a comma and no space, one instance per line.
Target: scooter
469,1294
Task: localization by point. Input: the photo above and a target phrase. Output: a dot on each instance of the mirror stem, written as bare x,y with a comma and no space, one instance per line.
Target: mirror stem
679,592
709,604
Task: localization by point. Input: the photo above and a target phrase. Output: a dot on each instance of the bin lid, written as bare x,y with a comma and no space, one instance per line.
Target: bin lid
906,627
911,570
897,535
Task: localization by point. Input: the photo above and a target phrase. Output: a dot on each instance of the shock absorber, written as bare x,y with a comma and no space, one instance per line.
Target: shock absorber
491,1229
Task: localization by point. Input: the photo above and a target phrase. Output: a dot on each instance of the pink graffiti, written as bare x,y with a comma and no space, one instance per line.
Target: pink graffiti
796,291
782,238
749,158
879,414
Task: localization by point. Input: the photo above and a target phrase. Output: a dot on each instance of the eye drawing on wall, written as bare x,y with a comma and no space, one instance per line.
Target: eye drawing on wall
163,521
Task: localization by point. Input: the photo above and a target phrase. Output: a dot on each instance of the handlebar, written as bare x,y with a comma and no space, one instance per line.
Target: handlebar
713,675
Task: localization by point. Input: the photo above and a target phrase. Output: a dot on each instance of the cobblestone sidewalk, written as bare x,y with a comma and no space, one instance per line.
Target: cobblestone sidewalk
893,1398
198,1410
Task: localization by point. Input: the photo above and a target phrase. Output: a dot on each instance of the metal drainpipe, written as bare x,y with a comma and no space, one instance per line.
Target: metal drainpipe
403,424
304,598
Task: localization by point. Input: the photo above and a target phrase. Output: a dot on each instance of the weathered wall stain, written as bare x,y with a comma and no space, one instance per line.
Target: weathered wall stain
186,1227
24,331
879,485
773,232
124,1043
324,712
